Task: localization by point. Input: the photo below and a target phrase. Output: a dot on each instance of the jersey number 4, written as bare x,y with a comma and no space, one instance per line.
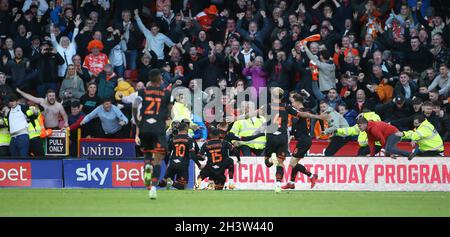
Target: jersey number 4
153,107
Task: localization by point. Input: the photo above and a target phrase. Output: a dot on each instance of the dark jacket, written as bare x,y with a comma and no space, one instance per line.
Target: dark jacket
420,60
110,42
18,70
400,90
82,41
171,28
279,73
390,111
301,75
260,35
106,86
199,66
84,75
134,39
6,19
48,67
214,70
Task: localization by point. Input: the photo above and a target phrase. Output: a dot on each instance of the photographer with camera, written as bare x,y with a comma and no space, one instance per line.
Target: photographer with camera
47,66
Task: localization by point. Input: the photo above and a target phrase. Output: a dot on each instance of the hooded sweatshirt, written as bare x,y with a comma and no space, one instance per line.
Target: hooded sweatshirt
336,119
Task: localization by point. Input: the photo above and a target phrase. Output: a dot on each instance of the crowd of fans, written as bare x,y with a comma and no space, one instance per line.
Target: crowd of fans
71,64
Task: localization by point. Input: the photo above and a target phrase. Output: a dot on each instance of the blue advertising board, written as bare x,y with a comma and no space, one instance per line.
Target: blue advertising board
82,173
107,148
31,173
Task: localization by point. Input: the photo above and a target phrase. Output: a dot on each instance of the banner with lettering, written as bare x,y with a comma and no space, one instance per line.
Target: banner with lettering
351,148
31,173
107,148
351,174
112,173
57,144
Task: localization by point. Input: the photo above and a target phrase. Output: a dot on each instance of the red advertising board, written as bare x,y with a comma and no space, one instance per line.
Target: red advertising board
15,174
127,174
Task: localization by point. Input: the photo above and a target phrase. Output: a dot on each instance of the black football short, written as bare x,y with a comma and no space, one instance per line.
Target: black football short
153,142
217,175
228,162
178,171
277,144
302,147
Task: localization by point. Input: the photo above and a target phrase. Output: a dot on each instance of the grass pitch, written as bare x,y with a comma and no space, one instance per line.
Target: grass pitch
188,203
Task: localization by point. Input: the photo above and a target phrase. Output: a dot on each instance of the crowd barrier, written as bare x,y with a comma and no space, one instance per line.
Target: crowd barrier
342,173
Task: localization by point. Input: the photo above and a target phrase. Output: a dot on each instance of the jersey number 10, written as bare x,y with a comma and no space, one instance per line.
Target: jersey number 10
180,150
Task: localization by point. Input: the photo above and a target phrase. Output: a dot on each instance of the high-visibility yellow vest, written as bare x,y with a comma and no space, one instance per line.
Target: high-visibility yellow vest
35,131
180,112
5,137
246,128
426,137
363,140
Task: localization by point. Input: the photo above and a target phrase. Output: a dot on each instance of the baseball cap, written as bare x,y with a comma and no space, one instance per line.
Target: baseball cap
400,99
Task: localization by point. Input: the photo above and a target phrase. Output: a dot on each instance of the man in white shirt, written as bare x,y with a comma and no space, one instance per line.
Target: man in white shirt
17,120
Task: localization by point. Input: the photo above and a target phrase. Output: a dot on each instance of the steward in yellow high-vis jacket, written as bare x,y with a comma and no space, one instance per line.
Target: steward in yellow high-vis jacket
427,138
5,139
248,127
34,132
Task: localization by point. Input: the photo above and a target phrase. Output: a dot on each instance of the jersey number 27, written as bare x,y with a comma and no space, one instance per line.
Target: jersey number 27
153,107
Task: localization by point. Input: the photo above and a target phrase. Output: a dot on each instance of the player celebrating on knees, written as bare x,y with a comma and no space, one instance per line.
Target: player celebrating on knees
151,126
303,144
181,150
218,154
229,163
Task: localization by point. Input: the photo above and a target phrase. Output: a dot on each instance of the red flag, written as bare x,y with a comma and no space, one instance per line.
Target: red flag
311,38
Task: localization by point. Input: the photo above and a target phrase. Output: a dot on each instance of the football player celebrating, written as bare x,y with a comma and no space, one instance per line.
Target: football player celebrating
150,132
277,141
218,154
181,150
304,141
